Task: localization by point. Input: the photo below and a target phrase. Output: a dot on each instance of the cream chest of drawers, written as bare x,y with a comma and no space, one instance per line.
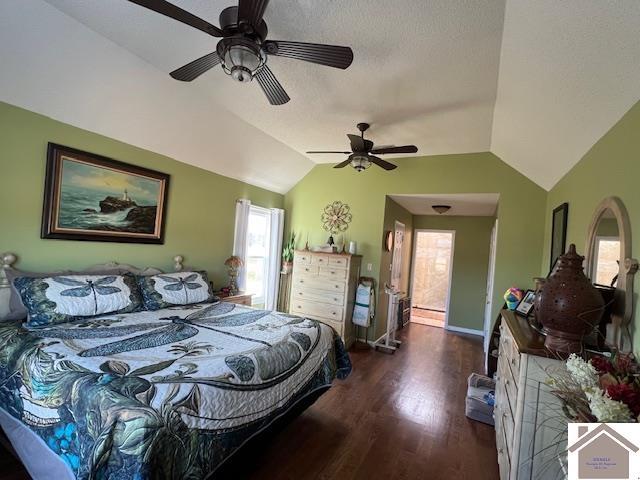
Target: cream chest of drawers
323,287
530,425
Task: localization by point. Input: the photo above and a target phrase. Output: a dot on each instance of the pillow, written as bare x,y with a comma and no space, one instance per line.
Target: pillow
181,288
65,298
17,310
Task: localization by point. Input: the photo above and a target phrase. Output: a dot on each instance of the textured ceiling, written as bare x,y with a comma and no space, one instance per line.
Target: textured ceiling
424,72
439,74
465,204
569,71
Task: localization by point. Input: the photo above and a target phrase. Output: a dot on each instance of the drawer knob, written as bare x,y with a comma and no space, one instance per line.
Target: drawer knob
501,451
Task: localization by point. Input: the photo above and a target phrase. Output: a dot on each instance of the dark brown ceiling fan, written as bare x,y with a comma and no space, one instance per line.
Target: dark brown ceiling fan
363,153
243,50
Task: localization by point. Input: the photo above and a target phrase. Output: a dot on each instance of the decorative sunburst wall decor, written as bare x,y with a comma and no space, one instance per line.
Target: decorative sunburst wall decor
336,217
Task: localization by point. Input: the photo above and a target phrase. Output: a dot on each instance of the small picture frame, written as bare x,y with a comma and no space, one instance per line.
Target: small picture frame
525,307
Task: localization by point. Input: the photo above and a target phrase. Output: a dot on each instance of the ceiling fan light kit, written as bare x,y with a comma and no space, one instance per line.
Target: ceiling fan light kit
243,50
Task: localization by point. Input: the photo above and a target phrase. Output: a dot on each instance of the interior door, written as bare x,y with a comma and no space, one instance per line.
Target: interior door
396,262
396,277
489,295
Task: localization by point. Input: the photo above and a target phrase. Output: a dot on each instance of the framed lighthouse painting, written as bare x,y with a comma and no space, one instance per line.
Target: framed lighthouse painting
93,198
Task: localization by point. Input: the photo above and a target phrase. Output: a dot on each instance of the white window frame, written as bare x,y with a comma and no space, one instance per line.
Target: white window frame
260,299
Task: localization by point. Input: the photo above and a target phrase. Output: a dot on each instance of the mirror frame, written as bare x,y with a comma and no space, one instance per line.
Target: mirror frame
622,312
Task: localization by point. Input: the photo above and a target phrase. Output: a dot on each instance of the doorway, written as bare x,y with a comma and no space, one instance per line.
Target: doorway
431,279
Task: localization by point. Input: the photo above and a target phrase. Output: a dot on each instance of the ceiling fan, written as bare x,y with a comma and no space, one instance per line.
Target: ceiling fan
362,153
244,49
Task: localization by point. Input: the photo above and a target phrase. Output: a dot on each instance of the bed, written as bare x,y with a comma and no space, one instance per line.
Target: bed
116,396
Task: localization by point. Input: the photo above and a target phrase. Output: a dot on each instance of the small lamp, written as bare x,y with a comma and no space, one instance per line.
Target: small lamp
233,264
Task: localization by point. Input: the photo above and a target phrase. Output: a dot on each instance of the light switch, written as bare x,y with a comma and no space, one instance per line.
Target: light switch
369,267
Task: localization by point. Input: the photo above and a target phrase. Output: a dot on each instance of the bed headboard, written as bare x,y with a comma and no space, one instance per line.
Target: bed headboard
7,260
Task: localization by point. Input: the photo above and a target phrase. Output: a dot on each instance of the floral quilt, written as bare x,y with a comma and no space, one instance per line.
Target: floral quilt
117,396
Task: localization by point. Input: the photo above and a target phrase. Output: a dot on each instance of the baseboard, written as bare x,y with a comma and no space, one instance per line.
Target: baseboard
470,331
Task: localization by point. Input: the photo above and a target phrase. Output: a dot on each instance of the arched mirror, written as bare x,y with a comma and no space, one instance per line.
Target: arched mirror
610,266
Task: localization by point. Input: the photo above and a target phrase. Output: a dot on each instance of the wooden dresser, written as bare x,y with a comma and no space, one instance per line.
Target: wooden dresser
531,428
240,298
323,287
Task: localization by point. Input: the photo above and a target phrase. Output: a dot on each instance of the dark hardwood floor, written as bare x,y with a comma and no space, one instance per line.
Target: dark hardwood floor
397,416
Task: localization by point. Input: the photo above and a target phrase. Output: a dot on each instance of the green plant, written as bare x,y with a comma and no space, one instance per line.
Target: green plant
289,247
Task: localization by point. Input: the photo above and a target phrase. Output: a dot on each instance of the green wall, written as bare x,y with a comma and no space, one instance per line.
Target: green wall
521,211
393,212
610,168
200,214
470,265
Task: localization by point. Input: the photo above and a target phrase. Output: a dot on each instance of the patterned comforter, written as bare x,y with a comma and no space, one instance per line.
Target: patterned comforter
117,396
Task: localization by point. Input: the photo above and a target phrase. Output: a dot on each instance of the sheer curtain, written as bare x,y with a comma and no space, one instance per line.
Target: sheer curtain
243,207
275,249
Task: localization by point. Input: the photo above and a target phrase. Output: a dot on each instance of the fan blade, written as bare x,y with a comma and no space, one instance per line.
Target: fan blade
194,69
271,87
251,11
357,143
320,151
343,164
382,163
403,149
329,55
165,8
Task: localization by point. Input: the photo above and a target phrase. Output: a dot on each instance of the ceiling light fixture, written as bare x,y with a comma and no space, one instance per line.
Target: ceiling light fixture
241,59
360,162
440,209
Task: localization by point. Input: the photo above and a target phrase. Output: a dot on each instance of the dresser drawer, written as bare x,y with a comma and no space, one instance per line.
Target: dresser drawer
320,260
336,273
318,296
504,461
510,349
307,269
338,262
317,283
303,258
313,309
505,413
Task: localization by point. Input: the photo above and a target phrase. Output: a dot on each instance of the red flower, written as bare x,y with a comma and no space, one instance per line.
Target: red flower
602,365
624,364
625,393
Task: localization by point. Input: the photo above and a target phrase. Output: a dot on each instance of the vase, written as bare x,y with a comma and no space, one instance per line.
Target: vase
568,306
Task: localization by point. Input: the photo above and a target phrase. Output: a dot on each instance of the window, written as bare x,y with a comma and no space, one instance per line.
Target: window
258,250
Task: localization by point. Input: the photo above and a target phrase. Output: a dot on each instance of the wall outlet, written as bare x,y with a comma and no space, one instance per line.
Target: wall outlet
369,267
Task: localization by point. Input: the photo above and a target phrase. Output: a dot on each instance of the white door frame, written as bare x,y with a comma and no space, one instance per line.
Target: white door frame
413,266
488,307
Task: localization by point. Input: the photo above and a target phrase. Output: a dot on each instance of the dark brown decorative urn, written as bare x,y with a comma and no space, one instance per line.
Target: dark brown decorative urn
568,306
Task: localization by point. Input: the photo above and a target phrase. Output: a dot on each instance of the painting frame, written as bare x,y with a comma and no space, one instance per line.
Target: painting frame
559,220
51,211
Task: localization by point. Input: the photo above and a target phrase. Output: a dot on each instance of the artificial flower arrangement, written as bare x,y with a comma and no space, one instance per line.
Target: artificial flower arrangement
602,389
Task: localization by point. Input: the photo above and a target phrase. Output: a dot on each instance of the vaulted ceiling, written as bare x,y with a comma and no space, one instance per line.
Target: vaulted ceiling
537,82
